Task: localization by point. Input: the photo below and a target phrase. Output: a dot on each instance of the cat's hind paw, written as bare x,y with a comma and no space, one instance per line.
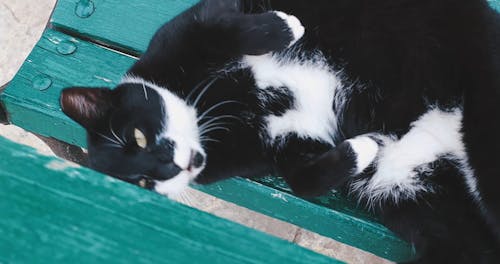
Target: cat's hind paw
295,27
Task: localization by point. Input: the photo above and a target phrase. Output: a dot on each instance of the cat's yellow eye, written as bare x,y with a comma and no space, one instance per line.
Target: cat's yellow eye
140,138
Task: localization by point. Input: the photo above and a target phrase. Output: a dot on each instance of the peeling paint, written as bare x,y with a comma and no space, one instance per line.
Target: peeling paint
60,165
103,79
279,196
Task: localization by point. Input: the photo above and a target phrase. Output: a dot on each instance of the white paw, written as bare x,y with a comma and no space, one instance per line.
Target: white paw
294,24
366,150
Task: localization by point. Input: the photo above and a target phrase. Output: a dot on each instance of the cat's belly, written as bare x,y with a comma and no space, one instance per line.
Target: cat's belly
296,95
304,98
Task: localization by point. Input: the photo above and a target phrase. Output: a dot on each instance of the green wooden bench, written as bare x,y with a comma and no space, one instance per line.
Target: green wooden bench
92,43
53,212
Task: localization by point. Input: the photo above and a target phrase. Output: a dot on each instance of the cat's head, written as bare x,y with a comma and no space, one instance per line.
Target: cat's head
149,135
139,132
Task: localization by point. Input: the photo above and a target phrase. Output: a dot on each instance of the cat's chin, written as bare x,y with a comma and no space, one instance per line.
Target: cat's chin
174,187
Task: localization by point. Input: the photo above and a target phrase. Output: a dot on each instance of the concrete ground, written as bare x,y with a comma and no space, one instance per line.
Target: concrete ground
21,24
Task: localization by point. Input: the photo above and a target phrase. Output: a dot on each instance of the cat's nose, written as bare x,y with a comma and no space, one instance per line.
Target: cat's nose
197,160
188,158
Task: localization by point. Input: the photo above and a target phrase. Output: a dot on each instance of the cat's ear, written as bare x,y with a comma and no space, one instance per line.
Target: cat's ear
87,106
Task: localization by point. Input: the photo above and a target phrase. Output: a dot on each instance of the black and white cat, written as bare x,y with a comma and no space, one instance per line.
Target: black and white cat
392,101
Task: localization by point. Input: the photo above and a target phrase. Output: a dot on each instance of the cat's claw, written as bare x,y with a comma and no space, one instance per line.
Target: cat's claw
294,25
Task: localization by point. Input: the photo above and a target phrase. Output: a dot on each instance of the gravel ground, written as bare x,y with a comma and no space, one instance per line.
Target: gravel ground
21,24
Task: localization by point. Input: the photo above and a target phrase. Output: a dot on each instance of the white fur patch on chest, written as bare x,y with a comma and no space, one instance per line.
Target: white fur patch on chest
313,85
435,134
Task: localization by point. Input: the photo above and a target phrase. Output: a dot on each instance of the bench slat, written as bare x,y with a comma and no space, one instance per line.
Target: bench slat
35,89
495,4
53,212
128,25
89,64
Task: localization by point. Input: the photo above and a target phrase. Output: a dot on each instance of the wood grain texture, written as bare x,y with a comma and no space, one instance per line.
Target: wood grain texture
32,101
128,25
110,23
351,229
91,65
113,23
495,4
53,212
39,110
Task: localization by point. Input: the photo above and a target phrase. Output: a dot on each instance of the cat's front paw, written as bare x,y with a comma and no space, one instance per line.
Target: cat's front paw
294,27
268,32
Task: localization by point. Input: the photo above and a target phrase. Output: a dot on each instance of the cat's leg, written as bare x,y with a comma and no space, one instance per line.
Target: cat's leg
311,168
425,193
225,28
398,167
297,96
397,164
252,34
209,36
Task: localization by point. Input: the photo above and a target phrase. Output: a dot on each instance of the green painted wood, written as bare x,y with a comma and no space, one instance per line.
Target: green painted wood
109,22
53,212
88,64
38,109
351,229
59,61
495,4
126,24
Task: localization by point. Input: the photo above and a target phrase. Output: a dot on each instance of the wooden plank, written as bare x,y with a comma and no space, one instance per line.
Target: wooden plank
54,63
126,24
38,111
351,229
32,98
495,4
53,212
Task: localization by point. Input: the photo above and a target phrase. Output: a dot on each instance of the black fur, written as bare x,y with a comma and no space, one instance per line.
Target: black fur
401,56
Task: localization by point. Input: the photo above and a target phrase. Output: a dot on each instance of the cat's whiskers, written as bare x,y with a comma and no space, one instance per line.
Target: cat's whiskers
113,145
207,124
191,93
115,135
109,139
218,124
178,198
219,118
205,89
215,107
215,129
206,139
183,198
210,140
145,91
187,199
